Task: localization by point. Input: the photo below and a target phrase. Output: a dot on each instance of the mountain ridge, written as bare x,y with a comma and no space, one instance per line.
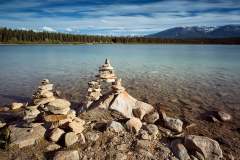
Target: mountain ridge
226,31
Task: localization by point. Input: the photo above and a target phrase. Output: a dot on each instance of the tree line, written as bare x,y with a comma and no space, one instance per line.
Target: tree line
24,37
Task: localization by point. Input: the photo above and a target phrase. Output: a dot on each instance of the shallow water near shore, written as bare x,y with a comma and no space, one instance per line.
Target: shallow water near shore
184,80
163,71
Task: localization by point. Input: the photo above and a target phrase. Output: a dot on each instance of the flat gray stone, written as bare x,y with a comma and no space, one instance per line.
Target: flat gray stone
25,136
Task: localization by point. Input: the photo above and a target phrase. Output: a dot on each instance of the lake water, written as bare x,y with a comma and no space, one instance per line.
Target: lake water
153,73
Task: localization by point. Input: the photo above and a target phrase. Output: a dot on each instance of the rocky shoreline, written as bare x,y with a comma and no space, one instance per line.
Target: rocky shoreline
108,125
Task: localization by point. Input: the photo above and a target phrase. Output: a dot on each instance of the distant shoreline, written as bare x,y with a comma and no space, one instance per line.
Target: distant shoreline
15,44
9,36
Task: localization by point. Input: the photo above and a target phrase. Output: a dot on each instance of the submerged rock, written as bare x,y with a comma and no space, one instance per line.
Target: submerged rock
172,123
208,147
224,116
134,125
66,155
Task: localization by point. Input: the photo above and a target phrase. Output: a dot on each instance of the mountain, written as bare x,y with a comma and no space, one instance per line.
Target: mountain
227,31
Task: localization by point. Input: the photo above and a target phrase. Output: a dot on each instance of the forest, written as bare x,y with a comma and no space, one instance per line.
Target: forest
15,36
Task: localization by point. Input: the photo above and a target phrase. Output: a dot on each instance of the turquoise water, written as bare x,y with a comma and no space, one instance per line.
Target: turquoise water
153,72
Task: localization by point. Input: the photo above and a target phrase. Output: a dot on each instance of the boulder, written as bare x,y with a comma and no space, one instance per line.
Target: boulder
71,114
70,138
43,101
45,81
16,105
143,144
179,150
151,117
172,123
208,147
92,136
224,116
76,127
144,135
66,155
59,106
134,125
115,127
124,103
2,124
53,147
106,103
152,130
26,136
56,134
121,156
46,94
31,112
141,109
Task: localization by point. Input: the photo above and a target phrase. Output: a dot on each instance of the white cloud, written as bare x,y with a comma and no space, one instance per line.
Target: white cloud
127,19
48,29
69,29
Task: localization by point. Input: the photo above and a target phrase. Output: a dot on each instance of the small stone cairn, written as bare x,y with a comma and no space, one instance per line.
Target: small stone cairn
106,72
55,113
44,93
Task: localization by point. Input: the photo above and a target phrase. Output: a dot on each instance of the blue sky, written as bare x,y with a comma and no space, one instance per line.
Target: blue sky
116,17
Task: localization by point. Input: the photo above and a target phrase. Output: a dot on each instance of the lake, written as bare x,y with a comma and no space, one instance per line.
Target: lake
153,73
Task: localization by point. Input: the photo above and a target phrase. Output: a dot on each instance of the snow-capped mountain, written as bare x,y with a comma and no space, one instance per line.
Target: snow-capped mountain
227,31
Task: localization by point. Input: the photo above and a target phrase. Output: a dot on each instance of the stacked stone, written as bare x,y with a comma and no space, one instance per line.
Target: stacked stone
106,72
44,93
117,87
94,91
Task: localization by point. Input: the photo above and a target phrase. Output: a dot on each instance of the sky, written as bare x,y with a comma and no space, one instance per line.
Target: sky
116,17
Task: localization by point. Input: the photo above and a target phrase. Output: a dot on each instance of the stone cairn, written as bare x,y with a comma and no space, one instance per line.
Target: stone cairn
106,72
107,75
54,113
